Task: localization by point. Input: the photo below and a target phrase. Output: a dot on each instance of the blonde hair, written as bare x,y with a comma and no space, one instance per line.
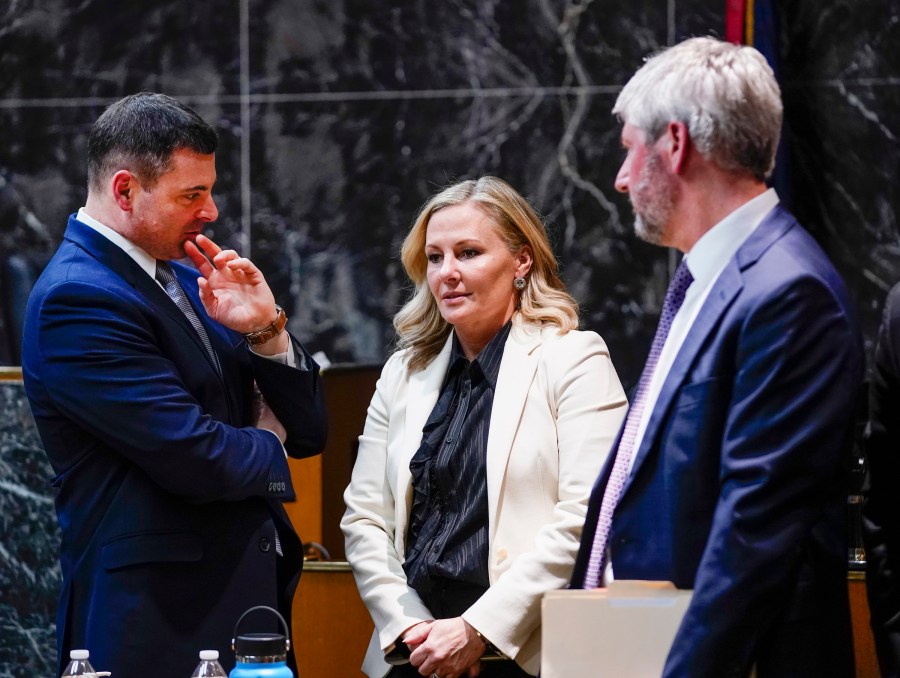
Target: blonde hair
544,300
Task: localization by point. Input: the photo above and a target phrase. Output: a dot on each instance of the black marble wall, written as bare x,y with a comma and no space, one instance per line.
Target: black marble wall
338,118
29,571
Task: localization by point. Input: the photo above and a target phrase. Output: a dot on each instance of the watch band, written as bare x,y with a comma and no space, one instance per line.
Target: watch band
397,653
490,650
270,331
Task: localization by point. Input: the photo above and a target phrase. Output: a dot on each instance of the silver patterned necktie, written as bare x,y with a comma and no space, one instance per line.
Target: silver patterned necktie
166,276
619,474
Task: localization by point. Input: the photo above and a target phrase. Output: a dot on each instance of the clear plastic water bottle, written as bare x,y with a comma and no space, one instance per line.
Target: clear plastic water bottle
79,664
209,666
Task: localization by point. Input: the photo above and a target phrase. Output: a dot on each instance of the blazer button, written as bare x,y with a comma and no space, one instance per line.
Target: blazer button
265,545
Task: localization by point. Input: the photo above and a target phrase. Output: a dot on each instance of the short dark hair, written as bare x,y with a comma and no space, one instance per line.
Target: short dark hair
140,133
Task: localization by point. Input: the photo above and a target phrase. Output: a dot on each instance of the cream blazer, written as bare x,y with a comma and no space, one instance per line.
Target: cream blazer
557,407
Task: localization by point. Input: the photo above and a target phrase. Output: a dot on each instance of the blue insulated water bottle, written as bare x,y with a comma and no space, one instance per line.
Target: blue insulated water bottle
261,655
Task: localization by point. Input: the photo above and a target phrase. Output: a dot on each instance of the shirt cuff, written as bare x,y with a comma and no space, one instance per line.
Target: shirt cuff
289,358
276,438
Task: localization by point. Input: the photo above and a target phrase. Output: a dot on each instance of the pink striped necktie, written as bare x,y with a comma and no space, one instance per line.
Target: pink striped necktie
619,474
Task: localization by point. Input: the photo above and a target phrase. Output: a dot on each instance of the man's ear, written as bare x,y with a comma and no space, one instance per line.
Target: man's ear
677,140
124,187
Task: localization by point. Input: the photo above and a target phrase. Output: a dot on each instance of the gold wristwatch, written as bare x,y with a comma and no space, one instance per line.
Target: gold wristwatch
270,331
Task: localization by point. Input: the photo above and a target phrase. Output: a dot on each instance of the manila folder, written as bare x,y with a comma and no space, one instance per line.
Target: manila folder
623,631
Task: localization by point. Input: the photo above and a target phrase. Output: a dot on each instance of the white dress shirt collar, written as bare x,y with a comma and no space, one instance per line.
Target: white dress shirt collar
715,248
144,260
706,261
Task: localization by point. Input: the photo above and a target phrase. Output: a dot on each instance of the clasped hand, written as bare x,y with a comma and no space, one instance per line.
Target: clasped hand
446,647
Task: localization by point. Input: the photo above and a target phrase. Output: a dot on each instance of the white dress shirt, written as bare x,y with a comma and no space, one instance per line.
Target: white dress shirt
706,261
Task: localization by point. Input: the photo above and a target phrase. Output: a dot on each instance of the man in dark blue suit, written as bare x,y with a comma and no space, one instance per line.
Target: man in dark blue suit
728,476
167,404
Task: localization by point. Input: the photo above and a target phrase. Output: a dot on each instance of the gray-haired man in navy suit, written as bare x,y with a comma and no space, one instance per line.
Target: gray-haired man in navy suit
728,475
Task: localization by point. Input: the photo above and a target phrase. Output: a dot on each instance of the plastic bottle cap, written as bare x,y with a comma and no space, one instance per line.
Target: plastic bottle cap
209,655
79,654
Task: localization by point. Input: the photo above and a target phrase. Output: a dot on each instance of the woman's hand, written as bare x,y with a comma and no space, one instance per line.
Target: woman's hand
446,647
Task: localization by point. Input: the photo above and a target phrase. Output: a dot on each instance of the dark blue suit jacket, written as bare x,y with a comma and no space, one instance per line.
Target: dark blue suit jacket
738,487
168,499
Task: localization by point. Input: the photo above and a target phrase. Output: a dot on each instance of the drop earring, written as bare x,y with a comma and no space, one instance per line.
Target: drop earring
519,283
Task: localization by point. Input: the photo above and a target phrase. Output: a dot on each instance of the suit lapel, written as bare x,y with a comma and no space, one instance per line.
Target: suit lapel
219,336
422,394
158,297
517,371
113,257
720,297
726,288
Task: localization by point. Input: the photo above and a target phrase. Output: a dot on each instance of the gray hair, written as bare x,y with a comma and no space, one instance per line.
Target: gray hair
725,94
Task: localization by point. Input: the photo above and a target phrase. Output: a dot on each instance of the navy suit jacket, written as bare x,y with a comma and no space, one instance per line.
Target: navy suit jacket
738,487
168,499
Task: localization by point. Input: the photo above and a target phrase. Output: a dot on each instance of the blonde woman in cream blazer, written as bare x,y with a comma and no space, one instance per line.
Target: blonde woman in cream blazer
557,406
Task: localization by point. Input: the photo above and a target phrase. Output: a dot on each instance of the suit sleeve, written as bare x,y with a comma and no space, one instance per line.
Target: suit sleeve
102,368
798,365
369,524
296,399
881,514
